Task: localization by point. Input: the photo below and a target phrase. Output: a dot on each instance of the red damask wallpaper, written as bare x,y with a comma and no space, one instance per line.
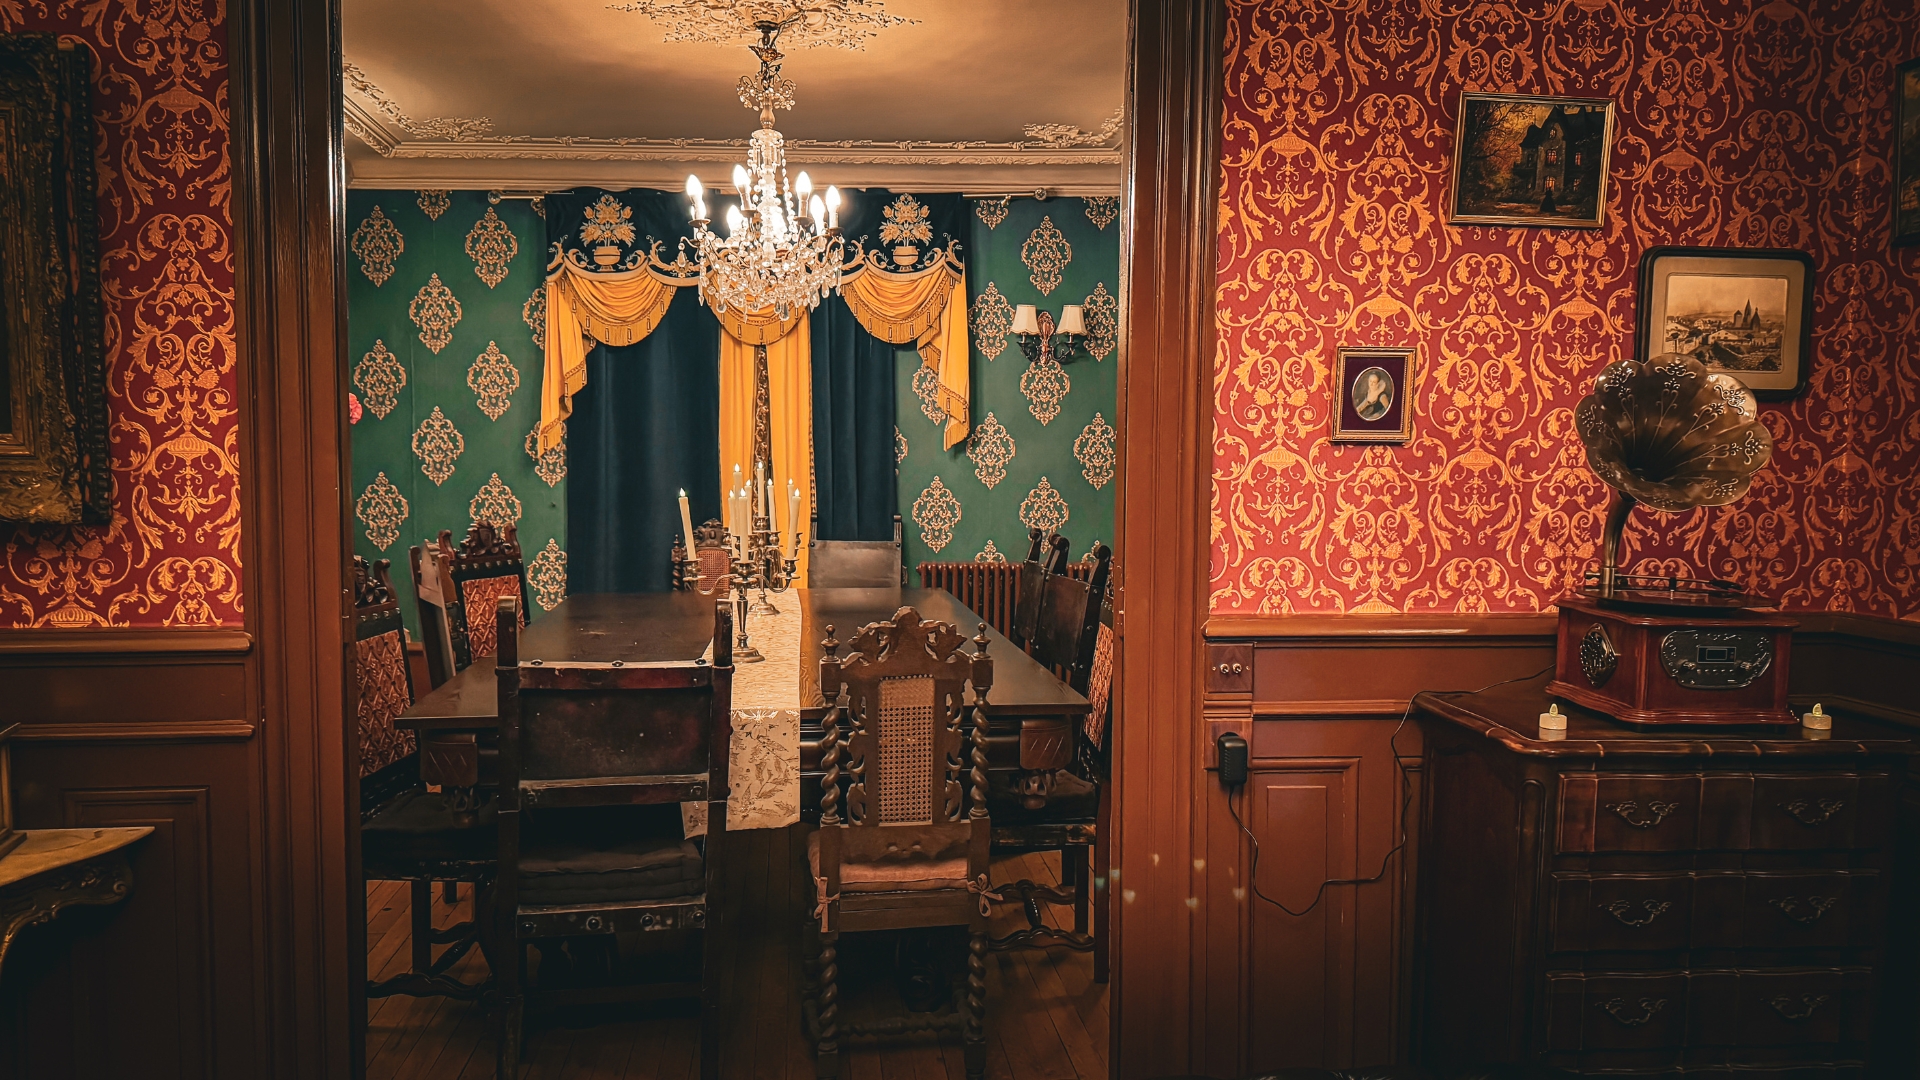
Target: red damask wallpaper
1739,123
171,557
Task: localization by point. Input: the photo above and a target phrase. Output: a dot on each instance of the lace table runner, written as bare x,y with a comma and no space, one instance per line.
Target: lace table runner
764,769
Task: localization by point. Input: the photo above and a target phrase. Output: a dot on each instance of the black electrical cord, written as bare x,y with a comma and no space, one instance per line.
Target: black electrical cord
1406,800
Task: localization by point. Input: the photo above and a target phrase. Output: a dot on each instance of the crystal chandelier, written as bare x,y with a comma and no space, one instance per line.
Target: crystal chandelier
783,248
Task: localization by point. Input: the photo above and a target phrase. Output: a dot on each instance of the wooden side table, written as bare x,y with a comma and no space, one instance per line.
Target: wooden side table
53,869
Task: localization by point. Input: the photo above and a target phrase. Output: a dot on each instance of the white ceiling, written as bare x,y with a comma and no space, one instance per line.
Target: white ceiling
546,95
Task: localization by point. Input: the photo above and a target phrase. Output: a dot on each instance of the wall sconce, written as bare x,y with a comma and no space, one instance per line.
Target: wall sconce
1040,339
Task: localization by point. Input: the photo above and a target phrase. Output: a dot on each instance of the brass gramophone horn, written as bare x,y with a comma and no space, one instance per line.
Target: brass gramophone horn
1671,434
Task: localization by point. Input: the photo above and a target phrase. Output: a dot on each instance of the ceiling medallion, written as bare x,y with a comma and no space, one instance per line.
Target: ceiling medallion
380,376
438,444
550,466
435,310
378,244
495,504
381,508
783,248
936,511
1093,449
493,379
1046,253
807,24
547,575
1045,385
1103,321
991,448
491,246
1043,508
992,321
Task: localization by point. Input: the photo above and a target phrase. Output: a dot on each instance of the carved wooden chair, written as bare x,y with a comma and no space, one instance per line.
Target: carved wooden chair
594,760
712,558
432,586
1053,803
407,833
911,849
1046,555
856,564
486,566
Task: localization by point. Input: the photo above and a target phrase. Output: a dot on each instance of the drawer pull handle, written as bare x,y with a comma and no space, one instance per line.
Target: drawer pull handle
1813,811
1797,1008
1654,909
1807,914
1617,1008
1630,810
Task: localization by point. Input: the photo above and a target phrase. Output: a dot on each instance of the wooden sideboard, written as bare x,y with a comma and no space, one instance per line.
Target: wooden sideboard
1620,902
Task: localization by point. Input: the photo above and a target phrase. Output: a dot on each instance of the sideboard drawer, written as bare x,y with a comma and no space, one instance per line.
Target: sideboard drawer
1587,1013
1818,811
1802,1008
1621,912
1624,812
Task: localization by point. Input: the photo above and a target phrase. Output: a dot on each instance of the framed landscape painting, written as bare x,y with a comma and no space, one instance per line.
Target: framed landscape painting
1531,160
1906,153
1747,313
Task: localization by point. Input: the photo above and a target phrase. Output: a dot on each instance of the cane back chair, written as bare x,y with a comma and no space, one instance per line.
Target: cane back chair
594,759
911,849
407,833
713,560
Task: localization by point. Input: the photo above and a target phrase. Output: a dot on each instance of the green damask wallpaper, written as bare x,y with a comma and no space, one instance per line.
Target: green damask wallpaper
1043,446
445,372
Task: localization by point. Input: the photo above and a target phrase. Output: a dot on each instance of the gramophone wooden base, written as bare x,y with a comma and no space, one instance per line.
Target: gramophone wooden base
1704,650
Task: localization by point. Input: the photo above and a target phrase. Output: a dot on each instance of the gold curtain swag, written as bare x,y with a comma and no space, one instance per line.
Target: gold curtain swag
928,309
790,411
616,309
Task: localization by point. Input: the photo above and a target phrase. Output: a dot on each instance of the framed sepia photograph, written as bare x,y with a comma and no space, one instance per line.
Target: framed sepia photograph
1906,153
1372,392
1747,313
1531,160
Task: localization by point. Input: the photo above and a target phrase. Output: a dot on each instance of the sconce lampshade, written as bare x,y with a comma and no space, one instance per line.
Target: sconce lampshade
1071,321
1025,320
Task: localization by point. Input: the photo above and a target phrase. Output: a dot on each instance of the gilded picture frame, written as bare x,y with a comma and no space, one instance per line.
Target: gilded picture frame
1373,395
1745,312
1906,153
54,456
1531,160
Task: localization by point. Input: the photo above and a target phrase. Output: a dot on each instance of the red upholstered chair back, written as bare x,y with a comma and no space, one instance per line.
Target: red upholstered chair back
486,566
382,684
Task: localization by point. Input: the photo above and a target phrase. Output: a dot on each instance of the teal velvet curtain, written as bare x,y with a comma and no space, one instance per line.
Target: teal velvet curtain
853,371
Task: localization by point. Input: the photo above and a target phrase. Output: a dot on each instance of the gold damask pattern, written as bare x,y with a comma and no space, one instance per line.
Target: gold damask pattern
1045,385
926,387
534,314
1738,125
899,445
382,509
434,202
992,320
495,504
164,179
436,311
936,511
1093,449
1043,508
990,554
493,379
990,447
905,221
380,376
992,211
491,246
1102,209
1046,253
547,576
438,444
550,466
1102,311
378,243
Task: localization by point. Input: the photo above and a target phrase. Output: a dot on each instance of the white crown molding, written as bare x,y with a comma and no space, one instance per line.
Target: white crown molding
850,152
805,24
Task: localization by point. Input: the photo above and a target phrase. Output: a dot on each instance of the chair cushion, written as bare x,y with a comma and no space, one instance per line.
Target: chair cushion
416,833
639,868
911,874
1071,799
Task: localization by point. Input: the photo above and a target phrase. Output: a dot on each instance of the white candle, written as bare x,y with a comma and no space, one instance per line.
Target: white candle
769,507
793,520
686,522
760,481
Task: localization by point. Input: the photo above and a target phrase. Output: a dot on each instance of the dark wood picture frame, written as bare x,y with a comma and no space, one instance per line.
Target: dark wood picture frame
1796,338
1551,175
1905,210
1382,421
53,431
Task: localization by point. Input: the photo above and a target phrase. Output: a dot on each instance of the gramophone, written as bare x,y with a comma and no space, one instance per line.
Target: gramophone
1657,651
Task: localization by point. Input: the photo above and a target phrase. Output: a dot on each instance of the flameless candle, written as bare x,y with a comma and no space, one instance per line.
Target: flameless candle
760,482
686,522
793,520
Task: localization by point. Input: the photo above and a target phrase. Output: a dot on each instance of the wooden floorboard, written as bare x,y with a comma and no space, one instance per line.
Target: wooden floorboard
1046,1018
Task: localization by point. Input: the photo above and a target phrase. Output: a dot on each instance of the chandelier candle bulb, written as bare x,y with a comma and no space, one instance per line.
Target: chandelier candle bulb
833,207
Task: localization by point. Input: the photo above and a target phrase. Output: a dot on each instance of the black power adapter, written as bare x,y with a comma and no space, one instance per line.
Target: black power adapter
1233,759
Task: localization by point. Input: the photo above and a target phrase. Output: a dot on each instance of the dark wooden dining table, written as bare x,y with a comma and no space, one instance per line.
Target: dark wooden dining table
1030,711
